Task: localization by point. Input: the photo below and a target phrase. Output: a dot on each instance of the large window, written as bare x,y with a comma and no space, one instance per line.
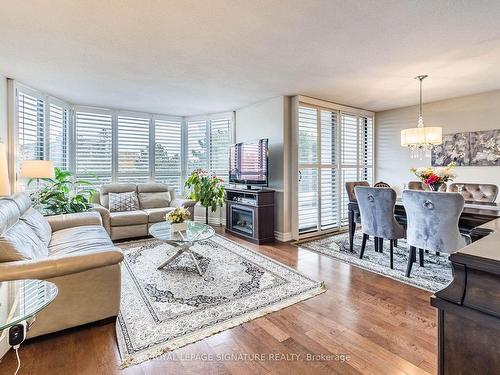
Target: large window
334,147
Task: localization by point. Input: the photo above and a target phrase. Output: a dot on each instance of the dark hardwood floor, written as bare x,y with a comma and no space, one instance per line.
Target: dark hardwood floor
378,325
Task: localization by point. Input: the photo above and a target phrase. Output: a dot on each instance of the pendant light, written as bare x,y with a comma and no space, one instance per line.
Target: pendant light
420,140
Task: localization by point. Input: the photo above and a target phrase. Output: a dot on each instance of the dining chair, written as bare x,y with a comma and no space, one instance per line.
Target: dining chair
349,186
382,184
419,185
475,192
376,206
432,223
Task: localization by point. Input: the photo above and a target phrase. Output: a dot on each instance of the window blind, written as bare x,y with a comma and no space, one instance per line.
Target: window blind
197,145
133,149
30,126
58,136
220,140
93,154
168,149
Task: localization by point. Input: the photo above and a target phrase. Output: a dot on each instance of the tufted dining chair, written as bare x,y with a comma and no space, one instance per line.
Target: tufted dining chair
376,206
349,186
476,192
432,223
382,184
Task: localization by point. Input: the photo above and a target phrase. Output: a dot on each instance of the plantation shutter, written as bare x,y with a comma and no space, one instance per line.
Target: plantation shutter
168,148
349,157
366,149
328,170
133,149
30,126
93,156
220,140
58,136
197,145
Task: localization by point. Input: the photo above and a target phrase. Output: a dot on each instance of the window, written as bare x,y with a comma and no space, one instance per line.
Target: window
197,145
30,126
133,149
58,136
94,155
168,152
333,147
220,140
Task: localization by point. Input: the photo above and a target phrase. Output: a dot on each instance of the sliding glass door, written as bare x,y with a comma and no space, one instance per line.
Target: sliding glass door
333,147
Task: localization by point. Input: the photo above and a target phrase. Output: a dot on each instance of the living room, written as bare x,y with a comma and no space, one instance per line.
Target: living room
206,187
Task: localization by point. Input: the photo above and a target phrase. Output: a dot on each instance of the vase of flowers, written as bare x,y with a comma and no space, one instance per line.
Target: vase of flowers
435,178
177,219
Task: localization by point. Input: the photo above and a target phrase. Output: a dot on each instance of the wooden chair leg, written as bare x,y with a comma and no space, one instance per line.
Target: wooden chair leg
381,245
412,254
438,253
391,253
421,257
395,243
363,246
375,239
427,251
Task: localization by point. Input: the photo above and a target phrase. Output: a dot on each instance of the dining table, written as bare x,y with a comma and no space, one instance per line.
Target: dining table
472,217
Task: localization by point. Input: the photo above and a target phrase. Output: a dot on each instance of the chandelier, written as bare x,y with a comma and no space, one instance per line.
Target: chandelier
420,140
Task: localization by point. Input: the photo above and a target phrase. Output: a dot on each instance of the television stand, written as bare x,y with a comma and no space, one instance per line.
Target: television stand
250,214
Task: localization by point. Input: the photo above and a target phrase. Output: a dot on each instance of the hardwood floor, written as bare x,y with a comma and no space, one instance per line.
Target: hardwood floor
366,323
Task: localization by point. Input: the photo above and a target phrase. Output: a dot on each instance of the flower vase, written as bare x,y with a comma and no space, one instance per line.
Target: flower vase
178,227
435,187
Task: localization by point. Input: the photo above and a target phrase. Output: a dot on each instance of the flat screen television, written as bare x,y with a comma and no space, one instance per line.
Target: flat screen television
248,163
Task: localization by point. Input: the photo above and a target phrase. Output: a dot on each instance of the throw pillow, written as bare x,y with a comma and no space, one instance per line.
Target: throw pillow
123,202
38,224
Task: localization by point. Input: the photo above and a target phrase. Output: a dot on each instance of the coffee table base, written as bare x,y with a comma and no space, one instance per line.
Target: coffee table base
186,248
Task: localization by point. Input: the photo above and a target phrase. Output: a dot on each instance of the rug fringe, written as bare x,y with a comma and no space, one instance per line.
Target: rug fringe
200,335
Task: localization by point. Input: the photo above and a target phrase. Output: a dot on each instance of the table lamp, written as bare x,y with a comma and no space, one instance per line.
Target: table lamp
4,172
37,169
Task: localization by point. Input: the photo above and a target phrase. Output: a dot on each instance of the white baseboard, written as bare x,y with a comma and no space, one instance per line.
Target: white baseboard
283,237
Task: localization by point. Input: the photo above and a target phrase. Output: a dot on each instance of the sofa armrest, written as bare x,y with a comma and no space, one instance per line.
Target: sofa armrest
59,265
186,203
104,212
58,222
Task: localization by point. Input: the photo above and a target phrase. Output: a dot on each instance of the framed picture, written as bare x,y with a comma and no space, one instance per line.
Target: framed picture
485,148
455,148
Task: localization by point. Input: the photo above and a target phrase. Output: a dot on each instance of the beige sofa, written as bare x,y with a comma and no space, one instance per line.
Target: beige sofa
73,251
155,201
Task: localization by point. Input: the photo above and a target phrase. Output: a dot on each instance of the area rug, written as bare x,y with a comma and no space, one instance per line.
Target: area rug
434,276
165,309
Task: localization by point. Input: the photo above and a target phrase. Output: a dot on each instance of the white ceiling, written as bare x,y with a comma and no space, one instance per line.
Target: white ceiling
191,57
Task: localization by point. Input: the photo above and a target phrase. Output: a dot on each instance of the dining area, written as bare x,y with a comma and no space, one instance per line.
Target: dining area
430,216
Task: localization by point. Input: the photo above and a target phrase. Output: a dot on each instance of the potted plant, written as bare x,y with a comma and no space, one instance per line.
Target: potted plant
206,188
64,194
434,178
177,219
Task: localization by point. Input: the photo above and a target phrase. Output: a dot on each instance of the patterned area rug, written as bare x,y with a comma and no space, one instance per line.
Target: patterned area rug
165,309
434,276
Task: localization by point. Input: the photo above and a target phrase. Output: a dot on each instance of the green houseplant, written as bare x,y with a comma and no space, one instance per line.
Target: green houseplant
206,188
64,194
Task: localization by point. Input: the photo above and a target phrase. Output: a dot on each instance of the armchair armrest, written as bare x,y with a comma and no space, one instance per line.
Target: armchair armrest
59,265
104,212
186,203
58,222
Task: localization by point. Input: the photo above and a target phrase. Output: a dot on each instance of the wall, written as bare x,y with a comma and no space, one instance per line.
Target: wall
468,113
3,136
270,119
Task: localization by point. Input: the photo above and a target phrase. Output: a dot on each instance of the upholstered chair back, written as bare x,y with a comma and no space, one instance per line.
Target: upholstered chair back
113,188
376,206
433,220
419,185
349,186
476,192
155,195
382,184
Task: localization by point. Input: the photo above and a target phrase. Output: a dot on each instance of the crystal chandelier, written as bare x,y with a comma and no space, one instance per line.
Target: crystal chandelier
420,140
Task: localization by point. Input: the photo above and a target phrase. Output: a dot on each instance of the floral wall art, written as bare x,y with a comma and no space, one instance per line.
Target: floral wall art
479,148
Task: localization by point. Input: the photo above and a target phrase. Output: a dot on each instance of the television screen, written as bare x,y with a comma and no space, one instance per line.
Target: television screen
248,163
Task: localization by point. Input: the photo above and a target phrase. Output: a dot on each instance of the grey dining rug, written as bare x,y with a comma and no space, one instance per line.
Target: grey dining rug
165,309
434,276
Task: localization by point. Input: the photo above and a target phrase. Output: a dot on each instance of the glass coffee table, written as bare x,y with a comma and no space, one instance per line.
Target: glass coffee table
182,241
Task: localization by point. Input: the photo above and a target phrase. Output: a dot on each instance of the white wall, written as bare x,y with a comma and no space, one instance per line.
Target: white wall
3,136
270,119
467,113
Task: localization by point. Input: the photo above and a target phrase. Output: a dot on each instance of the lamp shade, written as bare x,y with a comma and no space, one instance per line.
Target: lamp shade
37,169
422,136
4,172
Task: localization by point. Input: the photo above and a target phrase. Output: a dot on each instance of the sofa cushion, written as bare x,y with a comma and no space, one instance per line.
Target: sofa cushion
19,242
76,239
38,224
9,215
128,218
158,214
114,188
22,200
154,195
123,201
